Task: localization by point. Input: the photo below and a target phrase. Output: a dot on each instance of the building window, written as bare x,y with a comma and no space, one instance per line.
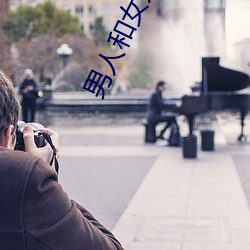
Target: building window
214,4
67,8
79,10
105,9
91,27
92,10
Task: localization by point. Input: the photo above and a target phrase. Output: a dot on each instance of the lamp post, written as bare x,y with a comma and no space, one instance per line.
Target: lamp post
64,51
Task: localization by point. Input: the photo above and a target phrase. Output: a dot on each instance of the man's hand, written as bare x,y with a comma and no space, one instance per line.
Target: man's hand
45,153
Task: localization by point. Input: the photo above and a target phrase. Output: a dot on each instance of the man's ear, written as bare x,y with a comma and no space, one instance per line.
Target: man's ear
7,139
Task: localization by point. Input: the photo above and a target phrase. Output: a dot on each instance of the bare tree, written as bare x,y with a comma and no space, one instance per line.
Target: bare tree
40,54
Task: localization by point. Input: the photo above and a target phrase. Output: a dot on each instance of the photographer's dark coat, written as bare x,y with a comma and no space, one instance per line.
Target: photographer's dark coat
36,214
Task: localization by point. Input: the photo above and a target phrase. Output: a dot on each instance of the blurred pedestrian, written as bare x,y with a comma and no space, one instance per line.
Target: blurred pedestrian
29,91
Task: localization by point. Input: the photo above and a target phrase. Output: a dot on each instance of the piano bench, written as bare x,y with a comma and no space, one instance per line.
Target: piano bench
150,132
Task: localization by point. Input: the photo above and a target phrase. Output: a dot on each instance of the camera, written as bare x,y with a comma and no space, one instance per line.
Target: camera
38,137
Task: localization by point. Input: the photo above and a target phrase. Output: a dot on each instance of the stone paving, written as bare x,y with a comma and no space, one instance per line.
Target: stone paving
150,196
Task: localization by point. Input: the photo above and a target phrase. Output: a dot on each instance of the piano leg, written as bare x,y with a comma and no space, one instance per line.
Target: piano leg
190,123
243,114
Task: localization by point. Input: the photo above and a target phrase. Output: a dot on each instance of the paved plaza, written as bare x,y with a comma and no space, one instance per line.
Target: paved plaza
149,195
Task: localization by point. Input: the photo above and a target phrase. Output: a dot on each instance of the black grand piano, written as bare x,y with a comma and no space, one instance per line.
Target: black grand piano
220,89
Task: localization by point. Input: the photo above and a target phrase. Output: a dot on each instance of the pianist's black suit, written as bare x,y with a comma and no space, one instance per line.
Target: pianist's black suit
154,110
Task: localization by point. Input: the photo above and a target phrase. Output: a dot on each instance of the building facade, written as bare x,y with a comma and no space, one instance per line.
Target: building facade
88,10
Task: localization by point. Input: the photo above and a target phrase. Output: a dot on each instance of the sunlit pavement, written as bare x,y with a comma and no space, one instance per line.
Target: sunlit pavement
153,198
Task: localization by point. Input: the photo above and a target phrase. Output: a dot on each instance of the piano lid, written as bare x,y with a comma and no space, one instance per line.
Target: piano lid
218,78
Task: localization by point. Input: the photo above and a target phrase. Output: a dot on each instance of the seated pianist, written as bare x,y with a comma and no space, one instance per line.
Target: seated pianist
155,107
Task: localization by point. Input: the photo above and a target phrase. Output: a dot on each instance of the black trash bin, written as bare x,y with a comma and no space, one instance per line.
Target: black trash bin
207,140
189,146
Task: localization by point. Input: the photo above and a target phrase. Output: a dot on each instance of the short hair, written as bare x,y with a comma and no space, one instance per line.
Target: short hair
9,104
159,84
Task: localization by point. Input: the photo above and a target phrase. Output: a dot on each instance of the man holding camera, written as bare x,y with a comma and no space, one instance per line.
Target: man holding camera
35,212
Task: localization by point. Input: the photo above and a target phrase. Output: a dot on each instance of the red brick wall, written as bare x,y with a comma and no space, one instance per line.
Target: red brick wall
5,62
